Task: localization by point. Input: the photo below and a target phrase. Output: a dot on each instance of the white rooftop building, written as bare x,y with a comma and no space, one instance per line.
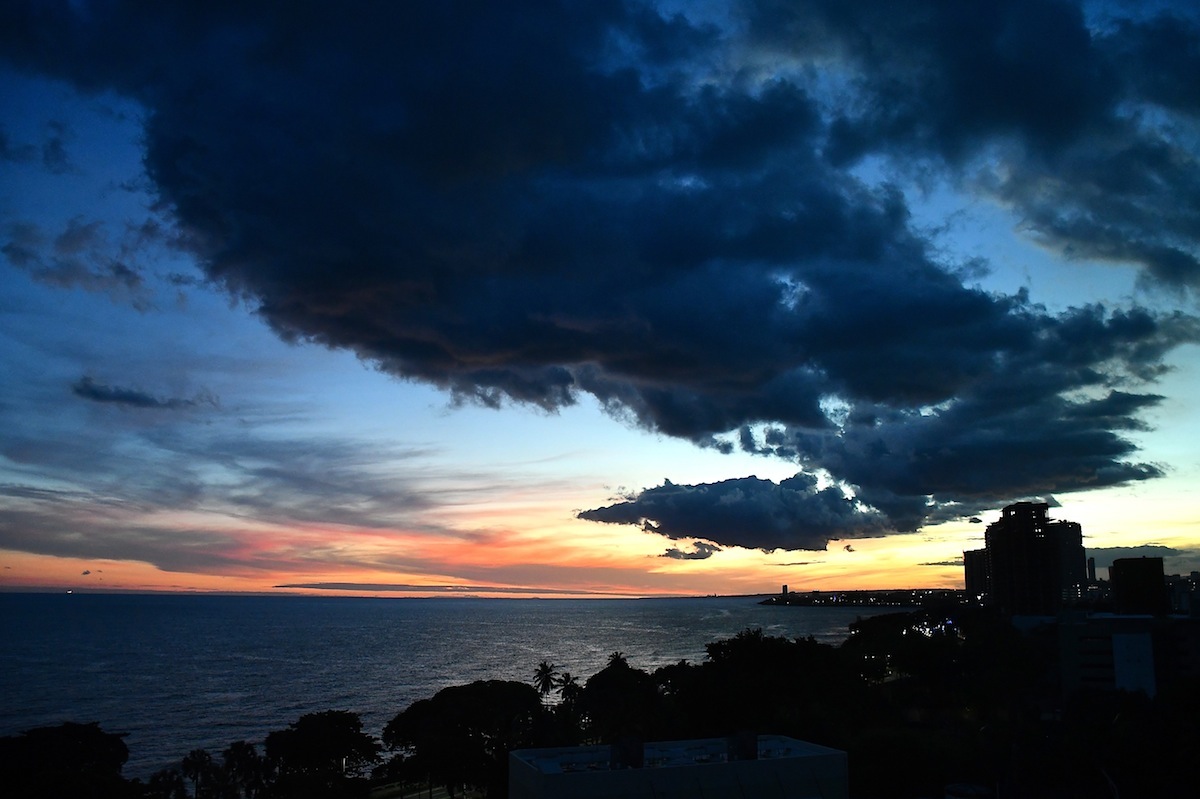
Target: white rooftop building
763,767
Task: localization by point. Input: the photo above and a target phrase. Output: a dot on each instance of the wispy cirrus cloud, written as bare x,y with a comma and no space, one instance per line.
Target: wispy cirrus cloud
450,590
88,388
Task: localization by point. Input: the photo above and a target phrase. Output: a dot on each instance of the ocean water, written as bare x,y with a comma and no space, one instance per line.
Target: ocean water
180,672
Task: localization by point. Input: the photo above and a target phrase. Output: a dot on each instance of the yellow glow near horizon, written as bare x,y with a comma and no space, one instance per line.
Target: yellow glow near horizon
529,546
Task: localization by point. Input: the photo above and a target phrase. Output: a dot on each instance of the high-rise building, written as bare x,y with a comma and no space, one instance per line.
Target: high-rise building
1139,586
1030,561
975,573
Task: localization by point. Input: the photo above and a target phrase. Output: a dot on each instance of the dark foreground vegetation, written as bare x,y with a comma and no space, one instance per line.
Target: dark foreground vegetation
918,700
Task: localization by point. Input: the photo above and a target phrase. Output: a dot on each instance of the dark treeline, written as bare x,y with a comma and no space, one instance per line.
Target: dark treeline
918,700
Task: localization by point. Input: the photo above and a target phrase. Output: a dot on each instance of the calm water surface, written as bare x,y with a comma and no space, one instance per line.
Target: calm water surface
178,672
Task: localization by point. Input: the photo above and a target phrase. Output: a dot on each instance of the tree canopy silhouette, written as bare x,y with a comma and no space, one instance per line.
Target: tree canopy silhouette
319,753
462,736
76,760
619,702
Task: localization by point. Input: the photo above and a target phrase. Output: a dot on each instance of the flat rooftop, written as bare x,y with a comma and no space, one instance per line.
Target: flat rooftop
665,754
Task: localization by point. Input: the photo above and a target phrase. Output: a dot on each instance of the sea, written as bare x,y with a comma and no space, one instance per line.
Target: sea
178,672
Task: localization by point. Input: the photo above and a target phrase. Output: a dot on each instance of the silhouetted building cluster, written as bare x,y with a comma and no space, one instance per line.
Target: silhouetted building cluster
895,597
1030,564
1114,635
1135,645
1184,591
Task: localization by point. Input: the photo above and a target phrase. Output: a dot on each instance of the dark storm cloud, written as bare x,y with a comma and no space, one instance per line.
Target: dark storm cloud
1086,128
747,512
1161,56
1010,433
944,77
532,201
87,388
700,551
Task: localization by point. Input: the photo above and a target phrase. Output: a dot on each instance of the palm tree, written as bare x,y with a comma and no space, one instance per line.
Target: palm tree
244,766
568,687
545,677
197,766
167,783
617,659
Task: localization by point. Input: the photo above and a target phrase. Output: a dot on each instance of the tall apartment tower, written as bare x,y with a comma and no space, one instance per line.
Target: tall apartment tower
975,573
1032,562
1138,586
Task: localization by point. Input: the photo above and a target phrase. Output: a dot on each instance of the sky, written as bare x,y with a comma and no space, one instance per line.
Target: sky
591,298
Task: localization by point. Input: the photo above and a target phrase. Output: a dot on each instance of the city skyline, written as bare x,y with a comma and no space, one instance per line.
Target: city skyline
617,300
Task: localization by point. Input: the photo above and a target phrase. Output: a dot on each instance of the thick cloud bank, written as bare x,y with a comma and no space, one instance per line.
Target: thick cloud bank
529,201
749,512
